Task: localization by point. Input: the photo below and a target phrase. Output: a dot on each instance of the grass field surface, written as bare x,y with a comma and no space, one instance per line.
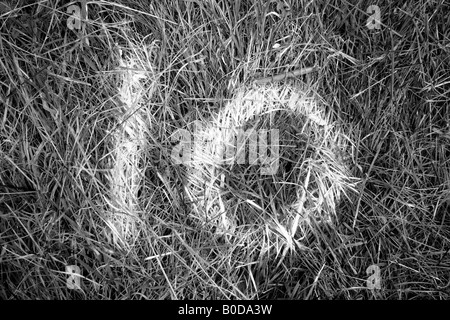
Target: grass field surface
121,175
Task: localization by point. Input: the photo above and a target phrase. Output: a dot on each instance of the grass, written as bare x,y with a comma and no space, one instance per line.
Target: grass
87,125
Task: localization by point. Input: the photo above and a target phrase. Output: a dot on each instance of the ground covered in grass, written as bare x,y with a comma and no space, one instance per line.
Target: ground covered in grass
89,116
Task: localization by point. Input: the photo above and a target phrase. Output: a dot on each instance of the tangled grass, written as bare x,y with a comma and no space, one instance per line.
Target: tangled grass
88,116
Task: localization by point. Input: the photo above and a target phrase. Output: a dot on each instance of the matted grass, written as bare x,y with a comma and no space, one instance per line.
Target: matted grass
86,126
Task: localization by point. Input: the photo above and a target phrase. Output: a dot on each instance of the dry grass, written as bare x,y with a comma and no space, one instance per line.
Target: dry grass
87,121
